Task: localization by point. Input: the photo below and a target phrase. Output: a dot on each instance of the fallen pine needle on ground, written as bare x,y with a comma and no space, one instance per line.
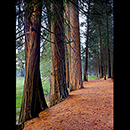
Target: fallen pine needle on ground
85,109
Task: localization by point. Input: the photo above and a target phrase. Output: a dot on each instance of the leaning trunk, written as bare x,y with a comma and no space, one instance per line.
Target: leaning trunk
33,100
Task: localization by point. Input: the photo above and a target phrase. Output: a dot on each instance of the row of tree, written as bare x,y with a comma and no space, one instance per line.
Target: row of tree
98,51
56,22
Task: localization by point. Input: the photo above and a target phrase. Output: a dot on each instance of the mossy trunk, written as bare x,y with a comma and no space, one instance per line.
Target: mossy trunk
33,100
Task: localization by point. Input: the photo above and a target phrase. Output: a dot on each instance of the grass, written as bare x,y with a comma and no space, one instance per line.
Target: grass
19,90
92,77
19,94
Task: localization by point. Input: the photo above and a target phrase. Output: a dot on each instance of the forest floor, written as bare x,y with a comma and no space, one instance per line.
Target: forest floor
85,109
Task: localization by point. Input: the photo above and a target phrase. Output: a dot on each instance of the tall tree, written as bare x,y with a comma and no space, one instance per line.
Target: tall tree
86,56
101,60
68,40
108,50
33,100
58,89
76,74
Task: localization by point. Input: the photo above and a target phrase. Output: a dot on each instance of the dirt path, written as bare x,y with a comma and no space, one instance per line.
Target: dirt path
85,109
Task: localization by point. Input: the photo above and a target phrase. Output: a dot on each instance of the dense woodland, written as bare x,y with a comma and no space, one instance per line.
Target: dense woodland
64,42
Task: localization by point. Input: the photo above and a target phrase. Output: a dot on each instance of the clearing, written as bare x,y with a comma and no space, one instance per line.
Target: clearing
84,109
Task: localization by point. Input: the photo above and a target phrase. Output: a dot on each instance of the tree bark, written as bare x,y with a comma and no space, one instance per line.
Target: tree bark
33,100
108,50
86,56
58,89
113,65
101,62
76,74
68,39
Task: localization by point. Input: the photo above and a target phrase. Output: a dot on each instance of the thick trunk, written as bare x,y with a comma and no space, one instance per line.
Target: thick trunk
33,100
76,76
58,89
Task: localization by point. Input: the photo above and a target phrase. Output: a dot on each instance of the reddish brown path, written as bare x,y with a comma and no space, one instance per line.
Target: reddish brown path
90,108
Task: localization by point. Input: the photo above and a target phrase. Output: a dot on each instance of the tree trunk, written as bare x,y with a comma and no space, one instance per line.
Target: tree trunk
96,65
113,64
86,58
108,50
68,39
58,89
104,67
101,64
33,100
76,74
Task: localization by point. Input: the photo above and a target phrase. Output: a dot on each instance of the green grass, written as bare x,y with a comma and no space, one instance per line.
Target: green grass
46,86
19,94
19,90
92,77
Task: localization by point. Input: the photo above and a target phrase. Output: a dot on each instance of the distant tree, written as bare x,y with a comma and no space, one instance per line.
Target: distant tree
58,89
86,56
33,100
108,48
76,74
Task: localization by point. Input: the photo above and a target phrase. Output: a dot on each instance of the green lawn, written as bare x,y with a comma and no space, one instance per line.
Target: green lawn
19,90
92,77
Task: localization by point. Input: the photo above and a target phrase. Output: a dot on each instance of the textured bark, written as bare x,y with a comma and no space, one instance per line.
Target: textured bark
68,39
33,100
58,89
76,74
67,66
